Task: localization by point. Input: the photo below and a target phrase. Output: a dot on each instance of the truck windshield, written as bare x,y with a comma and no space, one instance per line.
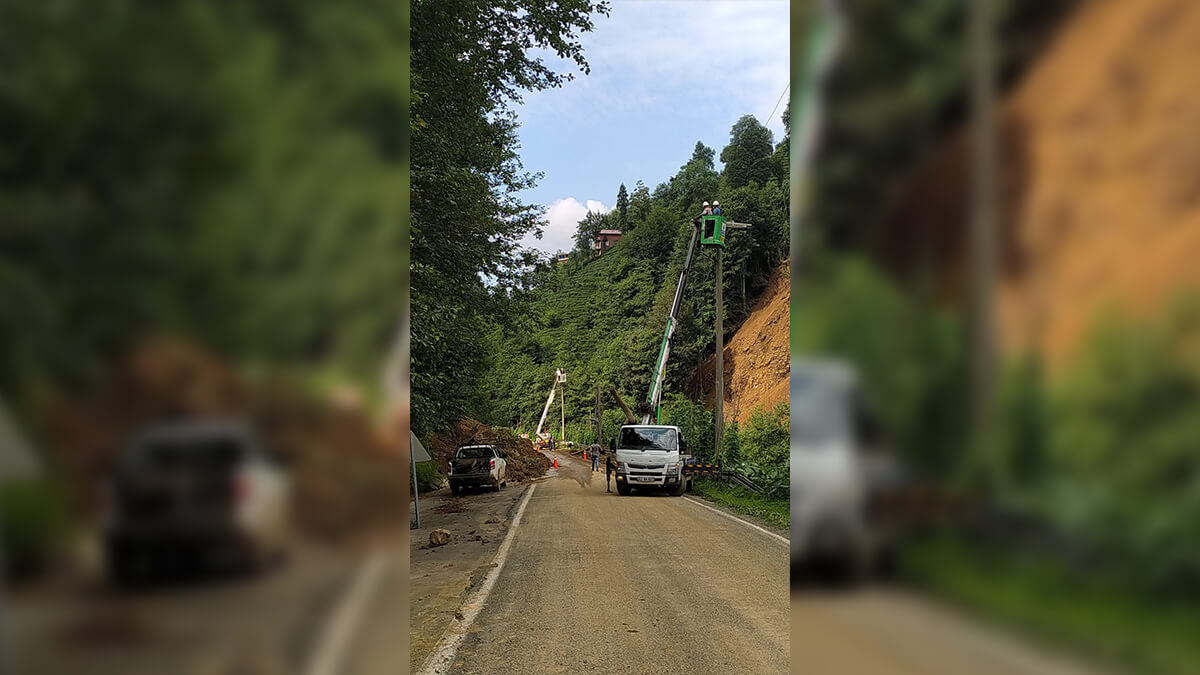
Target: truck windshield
477,451
196,453
642,438
818,412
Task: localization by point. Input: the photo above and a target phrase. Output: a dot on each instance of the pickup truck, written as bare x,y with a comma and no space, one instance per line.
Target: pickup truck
478,465
651,456
194,492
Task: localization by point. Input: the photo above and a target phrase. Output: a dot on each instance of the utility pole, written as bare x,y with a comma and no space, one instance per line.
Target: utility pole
719,372
719,329
983,219
562,431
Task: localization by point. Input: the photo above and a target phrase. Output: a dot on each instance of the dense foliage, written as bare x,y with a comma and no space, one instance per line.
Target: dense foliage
468,67
601,318
899,87
232,172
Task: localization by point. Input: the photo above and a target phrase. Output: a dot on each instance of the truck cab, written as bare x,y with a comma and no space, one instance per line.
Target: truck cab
651,456
840,468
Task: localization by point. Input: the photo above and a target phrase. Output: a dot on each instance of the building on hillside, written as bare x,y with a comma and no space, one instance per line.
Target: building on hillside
561,257
605,240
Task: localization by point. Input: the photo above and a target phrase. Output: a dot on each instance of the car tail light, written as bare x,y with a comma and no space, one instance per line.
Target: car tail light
492,464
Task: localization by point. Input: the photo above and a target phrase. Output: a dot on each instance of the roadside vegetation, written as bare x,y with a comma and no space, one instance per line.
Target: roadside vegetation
760,451
1089,483
771,510
1086,492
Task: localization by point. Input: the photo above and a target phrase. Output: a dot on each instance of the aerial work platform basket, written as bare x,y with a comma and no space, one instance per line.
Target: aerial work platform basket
712,230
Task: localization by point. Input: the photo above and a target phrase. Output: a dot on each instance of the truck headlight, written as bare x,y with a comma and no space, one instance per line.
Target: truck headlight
673,468
622,467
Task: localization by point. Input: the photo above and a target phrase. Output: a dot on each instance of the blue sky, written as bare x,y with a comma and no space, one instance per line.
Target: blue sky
665,74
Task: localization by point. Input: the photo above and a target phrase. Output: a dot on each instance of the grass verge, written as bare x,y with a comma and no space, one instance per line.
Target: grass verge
773,512
1094,617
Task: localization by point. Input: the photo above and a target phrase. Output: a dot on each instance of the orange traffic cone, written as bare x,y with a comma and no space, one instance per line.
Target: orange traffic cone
585,454
556,462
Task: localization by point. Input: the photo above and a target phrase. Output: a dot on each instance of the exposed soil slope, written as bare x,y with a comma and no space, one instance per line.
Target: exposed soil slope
1100,180
756,356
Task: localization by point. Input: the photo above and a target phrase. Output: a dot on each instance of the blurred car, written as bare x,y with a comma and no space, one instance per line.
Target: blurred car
841,468
478,465
200,492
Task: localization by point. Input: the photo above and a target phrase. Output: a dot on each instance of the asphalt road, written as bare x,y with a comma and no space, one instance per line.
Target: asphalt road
598,583
274,623
879,631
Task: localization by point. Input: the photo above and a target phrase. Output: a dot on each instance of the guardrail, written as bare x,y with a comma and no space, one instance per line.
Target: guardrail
721,473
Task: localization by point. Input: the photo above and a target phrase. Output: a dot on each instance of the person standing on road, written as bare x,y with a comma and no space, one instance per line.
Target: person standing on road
610,467
595,459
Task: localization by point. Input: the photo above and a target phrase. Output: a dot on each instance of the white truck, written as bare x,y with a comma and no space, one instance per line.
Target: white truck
841,468
651,456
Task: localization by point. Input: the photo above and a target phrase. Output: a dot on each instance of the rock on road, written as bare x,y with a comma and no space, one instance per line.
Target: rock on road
647,583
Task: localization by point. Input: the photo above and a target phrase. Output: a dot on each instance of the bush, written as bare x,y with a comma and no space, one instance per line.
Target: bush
908,356
767,436
694,421
731,444
32,521
429,476
1126,476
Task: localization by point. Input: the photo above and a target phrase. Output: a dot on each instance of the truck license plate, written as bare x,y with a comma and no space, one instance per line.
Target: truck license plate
645,479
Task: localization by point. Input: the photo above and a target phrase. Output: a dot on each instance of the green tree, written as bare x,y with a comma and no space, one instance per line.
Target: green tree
622,208
703,155
749,155
639,204
468,69
588,230
236,178
766,437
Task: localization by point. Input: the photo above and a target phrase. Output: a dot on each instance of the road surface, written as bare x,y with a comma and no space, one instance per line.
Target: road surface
894,632
273,624
591,583
598,583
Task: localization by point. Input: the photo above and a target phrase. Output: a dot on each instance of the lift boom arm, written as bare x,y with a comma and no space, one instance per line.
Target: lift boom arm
549,399
654,398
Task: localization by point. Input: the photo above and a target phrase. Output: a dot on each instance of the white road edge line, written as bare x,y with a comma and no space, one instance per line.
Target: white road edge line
442,658
781,538
335,639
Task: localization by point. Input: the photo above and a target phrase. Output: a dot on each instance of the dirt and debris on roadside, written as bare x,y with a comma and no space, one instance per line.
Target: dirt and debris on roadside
452,505
348,477
524,462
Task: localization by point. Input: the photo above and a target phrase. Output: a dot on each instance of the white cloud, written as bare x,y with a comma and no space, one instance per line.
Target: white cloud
562,219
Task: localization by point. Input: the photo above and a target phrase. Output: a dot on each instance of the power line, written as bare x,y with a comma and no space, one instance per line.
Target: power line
785,88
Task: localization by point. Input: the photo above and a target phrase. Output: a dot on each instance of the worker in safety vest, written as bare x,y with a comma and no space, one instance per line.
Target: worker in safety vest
716,208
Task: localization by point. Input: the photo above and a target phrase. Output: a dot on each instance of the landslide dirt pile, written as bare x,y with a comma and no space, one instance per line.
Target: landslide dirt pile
1100,180
524,462
756,364
346,476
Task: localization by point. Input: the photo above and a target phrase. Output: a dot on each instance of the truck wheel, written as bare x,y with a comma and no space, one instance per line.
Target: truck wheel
455,490
623,489
123,565
679,488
